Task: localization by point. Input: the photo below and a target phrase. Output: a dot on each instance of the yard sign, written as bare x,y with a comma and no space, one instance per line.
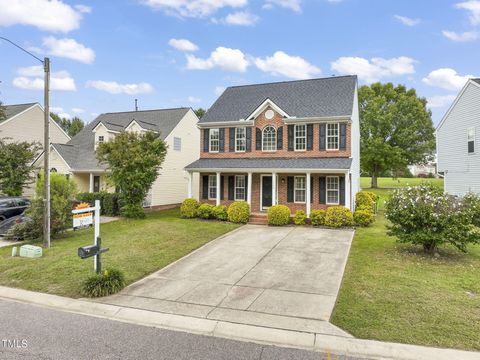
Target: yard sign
84,216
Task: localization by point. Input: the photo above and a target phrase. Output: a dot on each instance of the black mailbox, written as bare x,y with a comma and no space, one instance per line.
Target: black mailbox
88,251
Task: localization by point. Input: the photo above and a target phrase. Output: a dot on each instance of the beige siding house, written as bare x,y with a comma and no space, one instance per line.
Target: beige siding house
177,127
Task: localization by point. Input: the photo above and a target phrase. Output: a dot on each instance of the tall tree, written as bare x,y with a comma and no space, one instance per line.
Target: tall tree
396,129
200,112
133,160
16,170
71,126
3,116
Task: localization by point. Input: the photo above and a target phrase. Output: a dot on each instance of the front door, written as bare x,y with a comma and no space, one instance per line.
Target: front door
96,184
266,192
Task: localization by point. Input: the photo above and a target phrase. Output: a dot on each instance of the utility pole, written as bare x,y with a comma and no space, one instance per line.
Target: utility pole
46,156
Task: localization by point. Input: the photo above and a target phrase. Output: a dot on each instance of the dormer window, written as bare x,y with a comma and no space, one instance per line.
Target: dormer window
269,138
101,139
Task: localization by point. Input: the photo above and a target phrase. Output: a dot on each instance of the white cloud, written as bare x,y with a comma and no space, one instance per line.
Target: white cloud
283,64
182,45
56,109
446,78
194,100
334,1
407,21
193,8
219,90
294,5
78,110
94,114
31,78
222,58
114,87
473,7
375,69
440,100
65,115
43,14
461,37
241,18
67,48
83,8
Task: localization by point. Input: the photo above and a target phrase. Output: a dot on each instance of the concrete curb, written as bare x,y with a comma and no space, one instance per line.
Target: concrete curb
263,335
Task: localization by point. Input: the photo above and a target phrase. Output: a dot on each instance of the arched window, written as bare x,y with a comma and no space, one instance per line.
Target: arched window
269,138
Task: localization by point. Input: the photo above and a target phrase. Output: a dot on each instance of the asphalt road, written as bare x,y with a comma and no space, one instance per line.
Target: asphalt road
38,333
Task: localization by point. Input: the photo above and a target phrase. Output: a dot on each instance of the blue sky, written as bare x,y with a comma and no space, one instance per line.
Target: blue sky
170,53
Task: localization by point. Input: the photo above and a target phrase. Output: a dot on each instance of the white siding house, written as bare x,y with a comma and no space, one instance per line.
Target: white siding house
458,146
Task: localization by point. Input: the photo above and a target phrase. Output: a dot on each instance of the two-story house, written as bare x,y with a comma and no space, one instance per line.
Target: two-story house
458,151
177,127
295,143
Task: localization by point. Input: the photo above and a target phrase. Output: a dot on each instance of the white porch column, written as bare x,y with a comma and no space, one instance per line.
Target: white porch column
90,189
308,195
218,189
249,189
190,185
274,189
348,192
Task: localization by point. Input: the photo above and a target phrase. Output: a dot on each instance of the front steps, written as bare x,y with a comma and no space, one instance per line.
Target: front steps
258,219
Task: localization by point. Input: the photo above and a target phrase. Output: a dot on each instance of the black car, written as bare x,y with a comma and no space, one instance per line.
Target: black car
12,206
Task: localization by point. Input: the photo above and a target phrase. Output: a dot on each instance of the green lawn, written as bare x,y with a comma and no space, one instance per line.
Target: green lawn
392,292
389,182
137,247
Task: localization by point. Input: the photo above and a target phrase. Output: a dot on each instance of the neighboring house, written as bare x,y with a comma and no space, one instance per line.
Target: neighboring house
25,122
177,127
422,170
458,147
295,143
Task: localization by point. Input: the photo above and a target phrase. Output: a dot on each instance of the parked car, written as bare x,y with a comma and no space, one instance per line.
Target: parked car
7,224
12,206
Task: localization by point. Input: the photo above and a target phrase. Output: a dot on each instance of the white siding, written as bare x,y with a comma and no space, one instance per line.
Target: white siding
355,143
28,126
462,170
171,185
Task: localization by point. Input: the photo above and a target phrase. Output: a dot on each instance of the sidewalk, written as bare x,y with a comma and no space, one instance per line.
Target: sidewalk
265,335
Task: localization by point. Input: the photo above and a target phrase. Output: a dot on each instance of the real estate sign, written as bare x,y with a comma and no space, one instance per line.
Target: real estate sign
82,219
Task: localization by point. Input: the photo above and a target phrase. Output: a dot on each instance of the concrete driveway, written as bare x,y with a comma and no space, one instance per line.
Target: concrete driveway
285,277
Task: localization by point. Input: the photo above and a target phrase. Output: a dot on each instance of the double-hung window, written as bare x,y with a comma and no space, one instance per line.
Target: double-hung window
333,135
269,138
212,187
300,137
101,139
471,140
333,190
239,187
214,140
299,189
240,139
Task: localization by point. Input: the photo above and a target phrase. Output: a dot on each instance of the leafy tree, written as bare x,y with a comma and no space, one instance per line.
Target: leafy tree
134,160
396,129
3,116
16,170
71,126
200,112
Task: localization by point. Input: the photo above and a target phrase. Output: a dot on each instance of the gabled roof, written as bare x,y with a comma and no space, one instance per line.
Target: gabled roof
477,81
327,97
13,110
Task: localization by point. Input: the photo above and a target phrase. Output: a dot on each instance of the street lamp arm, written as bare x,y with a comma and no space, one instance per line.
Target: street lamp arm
21,48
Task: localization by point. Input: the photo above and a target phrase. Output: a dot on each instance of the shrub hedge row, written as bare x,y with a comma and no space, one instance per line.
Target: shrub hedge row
110,203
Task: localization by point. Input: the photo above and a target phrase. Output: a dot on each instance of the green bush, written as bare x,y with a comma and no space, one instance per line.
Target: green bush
363,217
338,216
109,282
278,215
472,202
189,208
109,202
300,217
424,215
220,212
317,217
239,212
365,200
204,211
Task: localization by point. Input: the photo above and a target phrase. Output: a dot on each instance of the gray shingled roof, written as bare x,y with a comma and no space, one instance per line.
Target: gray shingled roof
12,110
476,80
272,163
79,152
303,98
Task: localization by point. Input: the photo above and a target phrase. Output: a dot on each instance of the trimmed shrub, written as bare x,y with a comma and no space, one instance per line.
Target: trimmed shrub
338,216
317,217
300,217
109,282
363,217
278,215
239,212
109,202
205,211
220,212
189,208
365,200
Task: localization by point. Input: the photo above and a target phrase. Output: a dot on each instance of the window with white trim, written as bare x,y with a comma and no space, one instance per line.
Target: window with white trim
333,136
240,139
269,138
177,144
212,187
333,190
239,187
471,140
300,137
214,140
299,187
101,139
